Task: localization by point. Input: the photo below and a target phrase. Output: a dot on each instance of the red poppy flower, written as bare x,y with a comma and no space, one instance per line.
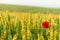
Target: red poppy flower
46,24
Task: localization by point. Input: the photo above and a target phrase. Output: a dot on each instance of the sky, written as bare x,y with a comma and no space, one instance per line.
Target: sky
39,3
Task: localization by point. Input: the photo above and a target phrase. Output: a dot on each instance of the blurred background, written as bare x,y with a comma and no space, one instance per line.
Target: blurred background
39,3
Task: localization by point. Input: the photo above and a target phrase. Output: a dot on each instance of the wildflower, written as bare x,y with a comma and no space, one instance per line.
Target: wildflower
46,24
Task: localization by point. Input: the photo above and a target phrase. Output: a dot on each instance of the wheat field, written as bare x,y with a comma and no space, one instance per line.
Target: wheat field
28,26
